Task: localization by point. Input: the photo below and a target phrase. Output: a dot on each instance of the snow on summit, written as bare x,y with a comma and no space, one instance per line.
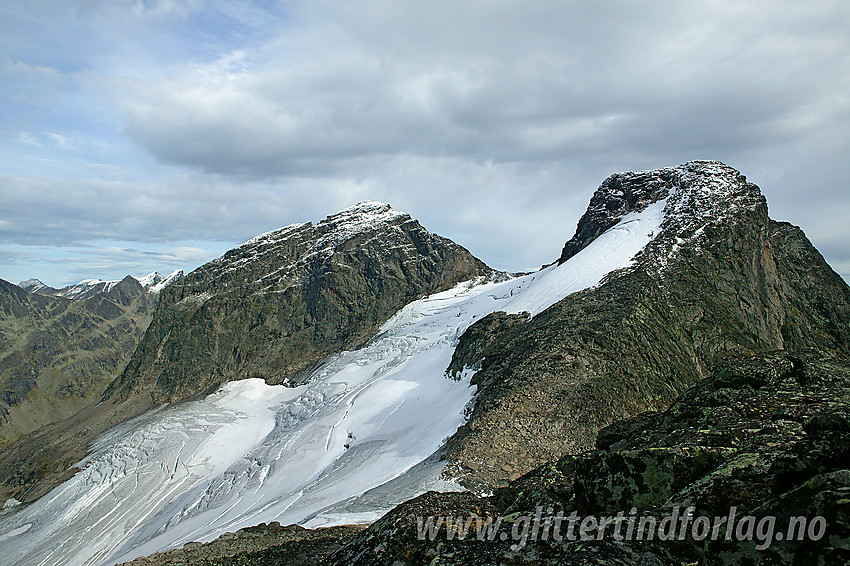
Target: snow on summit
338,227
153,282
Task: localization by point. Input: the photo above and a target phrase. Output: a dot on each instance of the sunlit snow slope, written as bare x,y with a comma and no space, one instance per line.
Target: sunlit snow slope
255,453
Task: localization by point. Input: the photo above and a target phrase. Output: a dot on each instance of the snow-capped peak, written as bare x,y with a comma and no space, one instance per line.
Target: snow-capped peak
351,221
367,210
150,279
159,282
152,283
86,288
700,192
360,215
322,238
33,285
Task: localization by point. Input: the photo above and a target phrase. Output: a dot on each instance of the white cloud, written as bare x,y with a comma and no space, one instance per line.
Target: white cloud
27,138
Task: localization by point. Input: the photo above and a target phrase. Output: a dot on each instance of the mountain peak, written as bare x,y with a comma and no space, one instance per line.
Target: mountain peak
366,207
323,238
33,285
154,281
365,214
698,192
291,296
352,221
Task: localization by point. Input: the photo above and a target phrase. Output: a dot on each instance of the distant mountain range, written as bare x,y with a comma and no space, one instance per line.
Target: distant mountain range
151,283
62,347
321,374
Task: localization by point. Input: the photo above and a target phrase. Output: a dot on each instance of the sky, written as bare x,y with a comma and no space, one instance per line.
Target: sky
142,135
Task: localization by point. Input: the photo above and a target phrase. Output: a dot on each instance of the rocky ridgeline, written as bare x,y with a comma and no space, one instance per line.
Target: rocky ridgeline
698,193
59,355
720,277
151,283
720,281
275,306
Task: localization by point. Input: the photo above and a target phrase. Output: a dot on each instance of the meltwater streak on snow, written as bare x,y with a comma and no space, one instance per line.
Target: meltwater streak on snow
255,453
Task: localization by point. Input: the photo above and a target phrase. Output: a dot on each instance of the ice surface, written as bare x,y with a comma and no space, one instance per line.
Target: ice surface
612,250
353,441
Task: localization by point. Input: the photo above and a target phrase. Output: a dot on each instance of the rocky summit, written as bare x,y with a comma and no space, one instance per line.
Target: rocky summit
277,305
720,277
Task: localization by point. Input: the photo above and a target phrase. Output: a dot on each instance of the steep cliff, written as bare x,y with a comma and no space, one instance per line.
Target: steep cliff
719,277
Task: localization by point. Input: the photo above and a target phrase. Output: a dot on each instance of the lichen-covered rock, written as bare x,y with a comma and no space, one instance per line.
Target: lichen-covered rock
260,545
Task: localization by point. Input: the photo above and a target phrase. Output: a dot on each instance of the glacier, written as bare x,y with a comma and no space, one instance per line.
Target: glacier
253,453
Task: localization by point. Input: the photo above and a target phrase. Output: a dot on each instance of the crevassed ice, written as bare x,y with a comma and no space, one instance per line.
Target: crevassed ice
254,453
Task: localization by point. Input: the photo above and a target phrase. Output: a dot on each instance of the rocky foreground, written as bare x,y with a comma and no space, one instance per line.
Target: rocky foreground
768,435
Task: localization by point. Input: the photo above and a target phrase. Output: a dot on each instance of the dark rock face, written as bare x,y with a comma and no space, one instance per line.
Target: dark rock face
58,355
275,306
720,277
767,434
261,545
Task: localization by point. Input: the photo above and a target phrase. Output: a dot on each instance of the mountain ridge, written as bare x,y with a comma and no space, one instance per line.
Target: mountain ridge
276,305
713,277
232,312
152,283
720,278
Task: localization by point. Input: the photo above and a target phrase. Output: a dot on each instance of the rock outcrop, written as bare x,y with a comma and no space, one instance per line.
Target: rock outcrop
720,277
260,545
277,305
767,434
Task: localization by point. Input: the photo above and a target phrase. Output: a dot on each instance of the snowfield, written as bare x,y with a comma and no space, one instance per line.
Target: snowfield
252,453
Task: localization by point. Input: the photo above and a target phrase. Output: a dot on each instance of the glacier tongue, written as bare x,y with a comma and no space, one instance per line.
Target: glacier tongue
254,453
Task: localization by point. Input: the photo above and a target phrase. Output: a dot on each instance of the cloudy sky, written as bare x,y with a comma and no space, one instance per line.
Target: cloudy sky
156,134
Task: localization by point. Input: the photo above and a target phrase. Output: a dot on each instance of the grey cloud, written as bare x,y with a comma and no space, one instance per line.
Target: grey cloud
67,211
511,83
491,123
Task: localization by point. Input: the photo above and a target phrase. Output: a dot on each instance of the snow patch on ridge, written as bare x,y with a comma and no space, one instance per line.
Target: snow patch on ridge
613,250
